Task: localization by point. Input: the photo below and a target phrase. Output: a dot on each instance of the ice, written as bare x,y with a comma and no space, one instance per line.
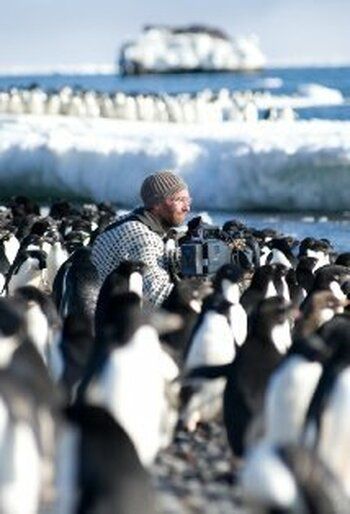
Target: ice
292,166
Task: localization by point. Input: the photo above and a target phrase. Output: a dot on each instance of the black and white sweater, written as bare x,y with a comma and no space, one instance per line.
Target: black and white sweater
134,240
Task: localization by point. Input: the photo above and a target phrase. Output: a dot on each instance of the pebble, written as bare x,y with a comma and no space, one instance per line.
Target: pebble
194,474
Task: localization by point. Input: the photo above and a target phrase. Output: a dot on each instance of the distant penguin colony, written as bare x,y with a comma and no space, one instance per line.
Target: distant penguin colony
202,107
96,385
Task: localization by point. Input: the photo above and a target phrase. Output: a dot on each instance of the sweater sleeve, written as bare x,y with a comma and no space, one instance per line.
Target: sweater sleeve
134,241
156,281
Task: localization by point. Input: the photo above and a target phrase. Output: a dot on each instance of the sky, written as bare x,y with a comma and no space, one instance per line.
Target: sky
48,33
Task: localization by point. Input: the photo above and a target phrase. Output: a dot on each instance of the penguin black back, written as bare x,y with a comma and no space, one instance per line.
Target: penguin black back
111,477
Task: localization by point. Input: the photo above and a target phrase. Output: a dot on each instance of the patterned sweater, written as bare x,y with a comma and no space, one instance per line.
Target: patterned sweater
133,240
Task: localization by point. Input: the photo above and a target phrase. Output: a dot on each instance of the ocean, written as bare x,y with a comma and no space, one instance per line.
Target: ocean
281,81
294,177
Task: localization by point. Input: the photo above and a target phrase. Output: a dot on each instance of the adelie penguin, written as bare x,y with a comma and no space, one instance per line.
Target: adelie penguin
99,471
290,389
19,451
28,268
321,307
76,287
43,327
211,345
305,274
320,249
268,340
128,276
228,280
329,278
327,422
290,478
281,252
132,377
262,286
9,246
185,299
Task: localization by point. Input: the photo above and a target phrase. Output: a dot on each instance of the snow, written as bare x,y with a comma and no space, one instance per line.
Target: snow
228,166
308,95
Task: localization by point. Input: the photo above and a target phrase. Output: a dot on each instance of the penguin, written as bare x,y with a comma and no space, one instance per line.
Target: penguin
53,105
76,344
326,426
343,259
328,278
291,388
76,287
296,292
98,469
228,280
20,490
57,255
267,342
321,249
29,407
130,349
27,269
262,286
211,345
287,113
12,329
320,308
203,348
281,252
76,239
16,103
92,106
305,273
37,101
128,276
43,327
325,276
250,112
279,279
22,206
9,246
290,478
186,299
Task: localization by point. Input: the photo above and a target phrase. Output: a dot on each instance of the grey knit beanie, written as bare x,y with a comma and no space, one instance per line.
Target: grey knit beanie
155,188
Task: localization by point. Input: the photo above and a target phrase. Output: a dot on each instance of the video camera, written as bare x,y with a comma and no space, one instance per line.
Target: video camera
203,251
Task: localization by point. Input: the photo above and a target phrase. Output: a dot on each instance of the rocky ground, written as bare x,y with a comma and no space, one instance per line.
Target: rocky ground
195,475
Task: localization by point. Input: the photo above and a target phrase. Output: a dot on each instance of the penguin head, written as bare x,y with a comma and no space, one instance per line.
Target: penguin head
263,277
270,321
187,296
328,276
122,318
336,334
343,259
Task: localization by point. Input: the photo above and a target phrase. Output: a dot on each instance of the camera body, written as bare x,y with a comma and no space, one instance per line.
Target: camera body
204,253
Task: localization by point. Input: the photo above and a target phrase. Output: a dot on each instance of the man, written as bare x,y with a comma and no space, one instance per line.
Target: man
142,234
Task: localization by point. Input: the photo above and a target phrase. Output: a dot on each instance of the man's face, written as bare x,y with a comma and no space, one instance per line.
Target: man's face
175,208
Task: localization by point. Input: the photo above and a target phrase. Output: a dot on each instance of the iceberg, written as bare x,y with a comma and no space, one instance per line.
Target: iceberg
162,49
292,166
